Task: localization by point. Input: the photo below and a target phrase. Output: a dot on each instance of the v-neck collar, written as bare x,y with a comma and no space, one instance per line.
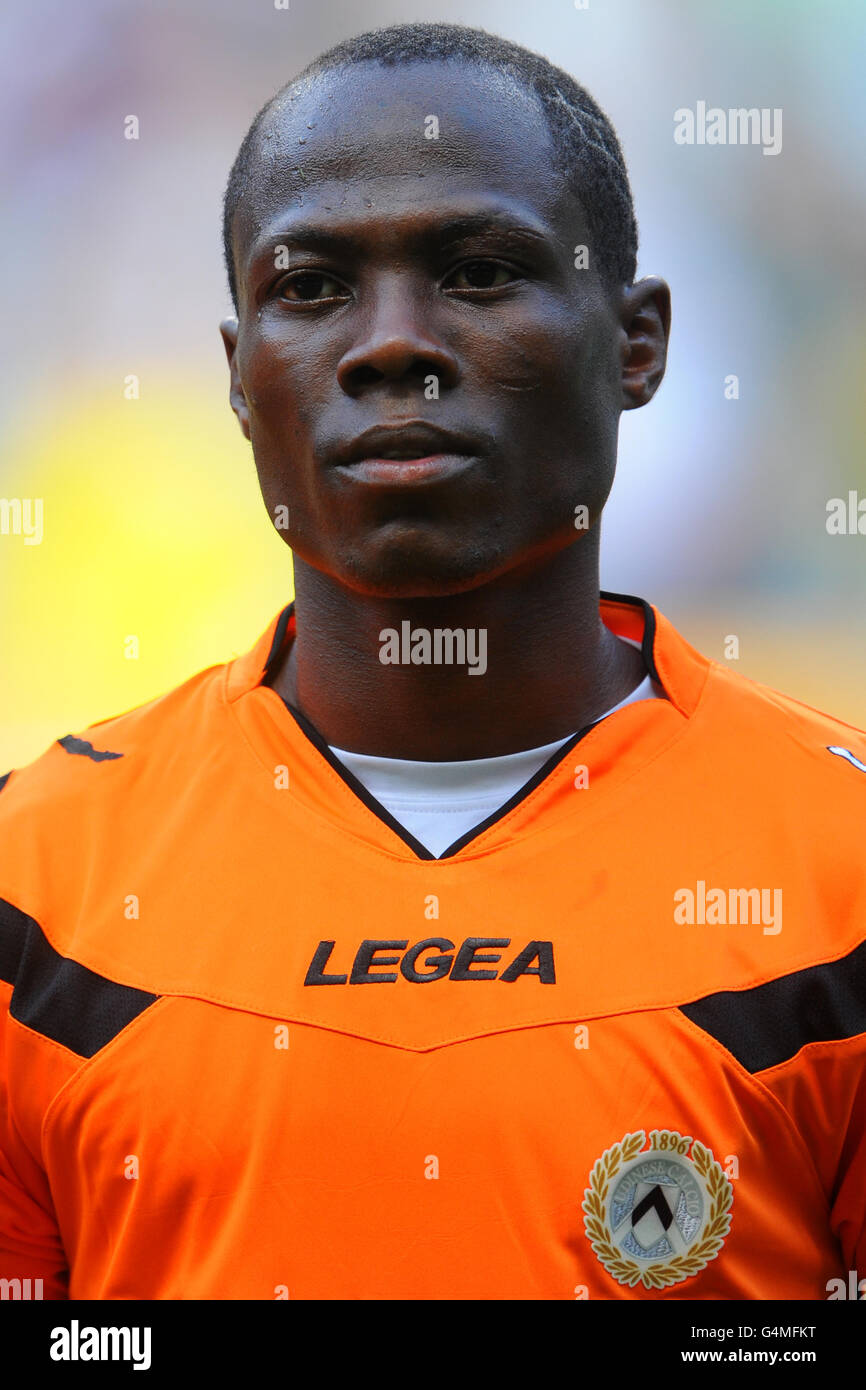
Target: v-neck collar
670,660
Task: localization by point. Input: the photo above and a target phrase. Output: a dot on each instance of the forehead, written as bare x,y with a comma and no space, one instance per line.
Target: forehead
377,137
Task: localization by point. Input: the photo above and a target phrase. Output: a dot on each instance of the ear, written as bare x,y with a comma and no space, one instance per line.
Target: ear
229,331
646,320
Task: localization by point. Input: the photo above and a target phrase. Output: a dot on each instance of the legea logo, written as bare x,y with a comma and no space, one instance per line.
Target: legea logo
433,959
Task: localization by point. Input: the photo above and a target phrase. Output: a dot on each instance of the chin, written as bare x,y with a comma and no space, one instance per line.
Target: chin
404,571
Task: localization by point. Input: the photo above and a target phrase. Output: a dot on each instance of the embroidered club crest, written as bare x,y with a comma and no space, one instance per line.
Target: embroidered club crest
657,1215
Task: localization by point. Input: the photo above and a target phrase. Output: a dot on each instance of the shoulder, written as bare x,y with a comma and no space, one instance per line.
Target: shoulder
785,781
775,733
92,773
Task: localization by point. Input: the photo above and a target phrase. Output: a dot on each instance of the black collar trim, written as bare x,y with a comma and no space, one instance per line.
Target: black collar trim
382,812
649,628
277,643
357,787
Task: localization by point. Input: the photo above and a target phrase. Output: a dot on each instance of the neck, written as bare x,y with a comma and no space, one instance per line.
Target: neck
545,664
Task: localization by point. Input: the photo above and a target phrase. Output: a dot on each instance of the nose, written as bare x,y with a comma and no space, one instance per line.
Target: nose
396,343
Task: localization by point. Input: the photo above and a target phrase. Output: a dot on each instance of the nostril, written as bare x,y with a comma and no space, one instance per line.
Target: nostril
365,375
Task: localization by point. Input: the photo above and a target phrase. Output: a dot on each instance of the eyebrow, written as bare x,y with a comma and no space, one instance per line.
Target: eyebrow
456,228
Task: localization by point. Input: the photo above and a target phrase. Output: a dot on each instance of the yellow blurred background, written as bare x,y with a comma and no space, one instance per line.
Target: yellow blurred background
154,530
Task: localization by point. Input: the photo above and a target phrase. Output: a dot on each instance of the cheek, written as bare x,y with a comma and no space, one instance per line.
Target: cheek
519,367
278,379
281,416
558,397
276,426
557,369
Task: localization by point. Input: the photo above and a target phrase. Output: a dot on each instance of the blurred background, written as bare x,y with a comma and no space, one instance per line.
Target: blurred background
111,267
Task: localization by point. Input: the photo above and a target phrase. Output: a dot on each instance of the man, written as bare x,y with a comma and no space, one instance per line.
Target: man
468,937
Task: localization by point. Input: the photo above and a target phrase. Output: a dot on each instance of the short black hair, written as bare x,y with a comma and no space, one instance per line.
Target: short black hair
585,142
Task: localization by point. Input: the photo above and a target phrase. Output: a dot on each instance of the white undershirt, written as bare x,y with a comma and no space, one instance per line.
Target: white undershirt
439,802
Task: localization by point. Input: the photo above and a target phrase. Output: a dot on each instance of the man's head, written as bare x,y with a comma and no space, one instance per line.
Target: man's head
404,226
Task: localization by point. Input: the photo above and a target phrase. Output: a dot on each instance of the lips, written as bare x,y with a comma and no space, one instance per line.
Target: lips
401,443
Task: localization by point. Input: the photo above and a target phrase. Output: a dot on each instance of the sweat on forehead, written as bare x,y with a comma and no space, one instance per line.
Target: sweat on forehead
368,122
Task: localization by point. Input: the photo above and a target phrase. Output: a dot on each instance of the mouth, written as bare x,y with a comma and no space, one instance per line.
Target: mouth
392,472
411,453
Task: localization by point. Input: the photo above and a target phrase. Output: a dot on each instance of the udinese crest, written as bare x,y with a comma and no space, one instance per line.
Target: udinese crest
657,1215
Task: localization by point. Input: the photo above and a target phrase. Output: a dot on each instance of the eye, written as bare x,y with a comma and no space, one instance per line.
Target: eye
480,275
310,287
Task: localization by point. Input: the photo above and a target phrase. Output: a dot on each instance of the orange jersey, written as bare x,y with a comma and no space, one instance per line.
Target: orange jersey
258,1043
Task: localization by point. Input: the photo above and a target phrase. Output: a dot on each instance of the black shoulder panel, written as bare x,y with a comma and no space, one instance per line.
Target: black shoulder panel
769,1024
85,749
4,779
57,997
13,933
